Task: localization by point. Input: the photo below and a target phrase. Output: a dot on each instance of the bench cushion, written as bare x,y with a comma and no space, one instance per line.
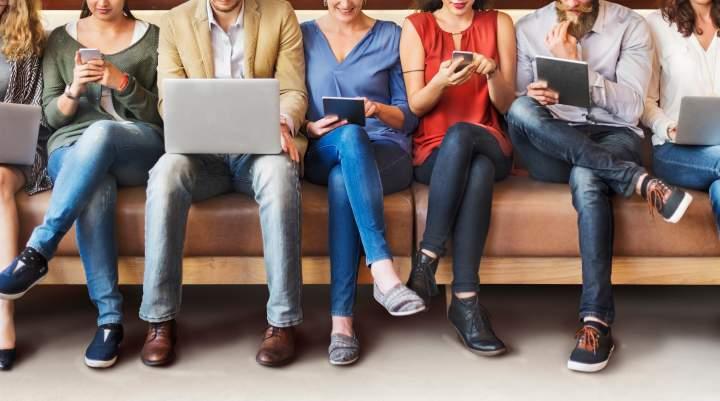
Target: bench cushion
228,225
530,218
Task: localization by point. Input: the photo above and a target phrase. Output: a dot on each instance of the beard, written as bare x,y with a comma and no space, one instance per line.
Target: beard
581,24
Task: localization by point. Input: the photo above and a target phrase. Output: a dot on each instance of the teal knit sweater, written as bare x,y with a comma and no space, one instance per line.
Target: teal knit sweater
138,102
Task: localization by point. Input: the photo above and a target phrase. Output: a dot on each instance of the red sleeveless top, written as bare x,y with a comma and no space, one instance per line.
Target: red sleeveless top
469,102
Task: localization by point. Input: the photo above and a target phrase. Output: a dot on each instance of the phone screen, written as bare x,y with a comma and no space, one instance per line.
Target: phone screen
90,54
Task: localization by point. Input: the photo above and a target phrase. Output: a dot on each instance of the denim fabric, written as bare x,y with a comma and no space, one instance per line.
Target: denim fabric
86,175
561,146
357,172
461,174
177,181
694,167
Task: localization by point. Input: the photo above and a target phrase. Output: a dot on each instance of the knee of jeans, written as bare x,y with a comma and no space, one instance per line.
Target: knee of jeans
584,183
276,175
170,174
352,138
482,171
98,136
714,193
459,137
521,110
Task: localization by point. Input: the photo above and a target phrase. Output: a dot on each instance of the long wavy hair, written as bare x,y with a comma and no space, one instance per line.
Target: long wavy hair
85,10
432,5
21,30
681,13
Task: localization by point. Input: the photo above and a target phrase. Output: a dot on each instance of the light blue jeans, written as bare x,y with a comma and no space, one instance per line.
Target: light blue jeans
694,167
177,181
86,176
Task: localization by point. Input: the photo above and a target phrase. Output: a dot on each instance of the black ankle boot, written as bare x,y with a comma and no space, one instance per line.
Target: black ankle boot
472,324
7,358
422,277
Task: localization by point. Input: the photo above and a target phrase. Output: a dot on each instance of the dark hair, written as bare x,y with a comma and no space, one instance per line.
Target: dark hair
432,5
86,10
682,14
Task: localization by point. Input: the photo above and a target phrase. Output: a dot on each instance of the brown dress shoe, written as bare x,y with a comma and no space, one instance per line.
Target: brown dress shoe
278,346
159,348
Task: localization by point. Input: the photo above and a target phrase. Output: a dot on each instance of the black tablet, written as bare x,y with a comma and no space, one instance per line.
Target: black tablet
347,108
568,78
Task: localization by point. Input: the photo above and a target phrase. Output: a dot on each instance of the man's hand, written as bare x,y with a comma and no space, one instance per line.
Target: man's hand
539,91
287,143
560,43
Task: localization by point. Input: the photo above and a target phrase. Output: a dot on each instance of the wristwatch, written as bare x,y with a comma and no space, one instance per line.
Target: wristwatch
68,94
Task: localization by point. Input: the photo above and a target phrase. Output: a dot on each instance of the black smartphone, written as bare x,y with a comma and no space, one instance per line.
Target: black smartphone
467,58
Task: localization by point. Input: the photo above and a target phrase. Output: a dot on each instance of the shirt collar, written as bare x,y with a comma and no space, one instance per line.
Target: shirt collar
240,22
599,24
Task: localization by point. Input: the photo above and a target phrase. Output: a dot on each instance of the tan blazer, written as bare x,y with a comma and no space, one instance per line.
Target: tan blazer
273,49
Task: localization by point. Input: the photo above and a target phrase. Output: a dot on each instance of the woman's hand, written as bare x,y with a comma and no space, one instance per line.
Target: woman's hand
446,75
324,125
371,108
84,74
484,65
112,77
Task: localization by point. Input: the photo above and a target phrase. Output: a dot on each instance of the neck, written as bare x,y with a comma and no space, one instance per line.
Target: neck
359,23
113,25
227,18
456,20
702,11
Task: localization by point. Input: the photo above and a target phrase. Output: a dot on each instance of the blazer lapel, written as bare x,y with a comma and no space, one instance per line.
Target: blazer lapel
203,39
252,27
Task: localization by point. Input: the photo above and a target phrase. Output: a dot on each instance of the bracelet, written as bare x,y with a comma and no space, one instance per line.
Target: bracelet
409,71
68,94
125,83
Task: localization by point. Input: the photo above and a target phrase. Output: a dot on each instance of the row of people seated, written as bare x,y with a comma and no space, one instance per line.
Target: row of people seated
447,122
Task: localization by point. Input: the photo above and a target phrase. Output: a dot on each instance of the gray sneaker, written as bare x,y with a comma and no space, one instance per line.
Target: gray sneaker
399,300
343,350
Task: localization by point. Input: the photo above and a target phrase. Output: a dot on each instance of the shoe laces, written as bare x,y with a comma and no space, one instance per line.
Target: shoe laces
159,329
588,338
658,191
271,332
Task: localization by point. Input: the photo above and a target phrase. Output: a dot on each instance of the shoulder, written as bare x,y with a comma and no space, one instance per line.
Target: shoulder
621,14
57,39
388,29
308,28
536,19
184,10
280,8
657,22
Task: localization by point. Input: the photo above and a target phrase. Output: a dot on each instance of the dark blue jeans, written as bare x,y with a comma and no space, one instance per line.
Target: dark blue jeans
357,172
695,167
598,161
87,175
461,174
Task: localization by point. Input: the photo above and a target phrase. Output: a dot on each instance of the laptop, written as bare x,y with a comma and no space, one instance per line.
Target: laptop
19,126
222,116
699,121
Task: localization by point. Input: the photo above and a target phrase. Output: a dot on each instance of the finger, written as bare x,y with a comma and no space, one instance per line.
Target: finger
538,85
78,60
446,63
98,63
563,30
455,63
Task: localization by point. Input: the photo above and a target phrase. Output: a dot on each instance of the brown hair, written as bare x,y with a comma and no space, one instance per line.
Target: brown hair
86,10
432,5
681,13
21,30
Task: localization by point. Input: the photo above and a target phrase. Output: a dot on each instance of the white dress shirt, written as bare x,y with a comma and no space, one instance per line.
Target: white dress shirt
682,67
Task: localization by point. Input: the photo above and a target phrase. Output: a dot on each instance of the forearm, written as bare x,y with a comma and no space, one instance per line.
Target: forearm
621,100
425,99
392,116
502,92
66,106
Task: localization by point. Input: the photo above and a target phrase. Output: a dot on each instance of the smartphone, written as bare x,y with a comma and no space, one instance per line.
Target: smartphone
467,58
90,54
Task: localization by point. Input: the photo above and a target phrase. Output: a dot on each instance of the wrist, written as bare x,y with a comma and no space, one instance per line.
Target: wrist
123,83
72,92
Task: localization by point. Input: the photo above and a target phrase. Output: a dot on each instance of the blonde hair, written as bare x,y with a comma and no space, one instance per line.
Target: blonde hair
21,30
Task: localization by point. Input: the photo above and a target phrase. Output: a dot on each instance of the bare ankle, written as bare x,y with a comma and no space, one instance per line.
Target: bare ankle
429,253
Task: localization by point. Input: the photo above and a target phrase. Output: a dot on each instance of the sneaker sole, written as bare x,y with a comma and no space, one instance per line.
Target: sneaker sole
407,313
477,352
91,363
344,363
681,209
590,367
13,297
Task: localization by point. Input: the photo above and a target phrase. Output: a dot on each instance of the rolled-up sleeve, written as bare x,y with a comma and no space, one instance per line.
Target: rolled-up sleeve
398,95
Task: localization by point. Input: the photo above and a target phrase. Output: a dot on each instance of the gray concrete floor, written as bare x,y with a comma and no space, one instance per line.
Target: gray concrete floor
668,349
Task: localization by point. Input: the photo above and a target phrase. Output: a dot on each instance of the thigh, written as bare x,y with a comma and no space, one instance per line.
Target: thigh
487,145
203,176
423,172
57,158
394,166
623,143
138,147
12,178
695,167
540,166
322,156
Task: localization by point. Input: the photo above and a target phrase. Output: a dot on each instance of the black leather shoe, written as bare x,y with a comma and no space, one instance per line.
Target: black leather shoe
7,358
472,324
422,277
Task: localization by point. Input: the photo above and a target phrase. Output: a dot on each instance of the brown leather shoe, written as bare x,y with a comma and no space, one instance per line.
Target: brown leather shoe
278,346
159,348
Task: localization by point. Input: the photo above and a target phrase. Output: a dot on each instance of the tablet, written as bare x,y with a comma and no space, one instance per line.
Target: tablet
351,109
569,78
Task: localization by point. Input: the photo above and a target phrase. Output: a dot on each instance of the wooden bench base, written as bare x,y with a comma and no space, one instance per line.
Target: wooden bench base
493,270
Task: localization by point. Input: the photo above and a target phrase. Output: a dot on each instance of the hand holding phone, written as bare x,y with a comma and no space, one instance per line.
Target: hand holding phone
466,58
87,54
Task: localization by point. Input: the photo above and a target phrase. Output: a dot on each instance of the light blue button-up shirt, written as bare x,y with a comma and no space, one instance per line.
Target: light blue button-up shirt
371,69
618,51
228,47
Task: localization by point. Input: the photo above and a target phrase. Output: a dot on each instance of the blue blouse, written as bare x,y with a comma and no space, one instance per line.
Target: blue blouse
371,69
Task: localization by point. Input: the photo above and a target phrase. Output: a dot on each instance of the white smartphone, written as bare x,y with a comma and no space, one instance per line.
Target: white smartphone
90,54
467,58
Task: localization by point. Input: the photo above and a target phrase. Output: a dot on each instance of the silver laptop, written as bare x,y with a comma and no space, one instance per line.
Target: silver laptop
226,116
19,126
699,121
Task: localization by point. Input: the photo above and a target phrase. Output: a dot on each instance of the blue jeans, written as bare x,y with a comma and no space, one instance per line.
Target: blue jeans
358,173
86,176
598,161
177,181
695,167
